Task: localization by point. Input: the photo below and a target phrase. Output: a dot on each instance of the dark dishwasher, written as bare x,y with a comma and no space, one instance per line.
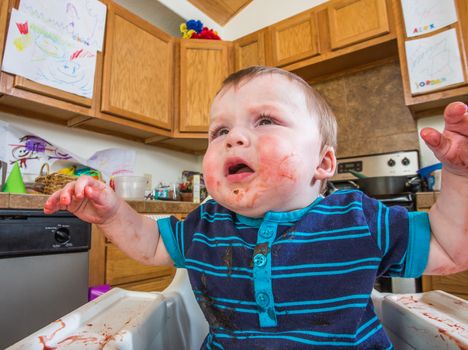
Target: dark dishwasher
43,270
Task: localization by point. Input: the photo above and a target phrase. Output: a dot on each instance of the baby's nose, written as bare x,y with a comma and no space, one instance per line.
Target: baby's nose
237,137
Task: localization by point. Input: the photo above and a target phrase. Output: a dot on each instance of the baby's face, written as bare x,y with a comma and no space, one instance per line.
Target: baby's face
264,147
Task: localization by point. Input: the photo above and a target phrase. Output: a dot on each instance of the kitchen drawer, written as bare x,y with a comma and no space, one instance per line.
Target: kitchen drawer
425,200
122,269
456,284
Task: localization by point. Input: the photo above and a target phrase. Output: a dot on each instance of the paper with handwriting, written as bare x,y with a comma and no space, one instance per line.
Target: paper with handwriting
425,16
35,51
83,20
434,62
31,151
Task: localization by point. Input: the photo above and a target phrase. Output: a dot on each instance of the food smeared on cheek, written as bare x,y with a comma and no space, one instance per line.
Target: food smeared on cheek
286,168
262,188
210,171
275,166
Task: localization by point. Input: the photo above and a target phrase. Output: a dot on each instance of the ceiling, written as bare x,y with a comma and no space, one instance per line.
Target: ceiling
221,11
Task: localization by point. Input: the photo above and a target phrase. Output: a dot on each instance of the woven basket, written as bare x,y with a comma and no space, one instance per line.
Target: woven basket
49,183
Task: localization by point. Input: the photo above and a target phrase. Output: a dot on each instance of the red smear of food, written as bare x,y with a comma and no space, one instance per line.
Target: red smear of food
78,338
44,339
44,345
443,333
23,27
273,168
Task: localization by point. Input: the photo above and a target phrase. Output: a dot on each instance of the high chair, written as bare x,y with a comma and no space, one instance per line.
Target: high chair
172,320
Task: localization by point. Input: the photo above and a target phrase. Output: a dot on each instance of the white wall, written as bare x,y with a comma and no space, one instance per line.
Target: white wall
154,12
164,165
256,15
426,155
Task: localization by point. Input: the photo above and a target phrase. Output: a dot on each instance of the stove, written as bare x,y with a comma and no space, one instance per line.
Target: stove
383,164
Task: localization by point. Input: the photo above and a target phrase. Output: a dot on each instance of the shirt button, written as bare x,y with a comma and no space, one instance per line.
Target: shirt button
262,299
267,233
259,260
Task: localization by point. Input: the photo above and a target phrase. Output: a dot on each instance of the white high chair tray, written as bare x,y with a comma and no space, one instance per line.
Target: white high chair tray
426,321
118,319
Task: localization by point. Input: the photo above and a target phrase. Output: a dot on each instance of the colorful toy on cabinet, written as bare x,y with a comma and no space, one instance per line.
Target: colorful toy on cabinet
194,29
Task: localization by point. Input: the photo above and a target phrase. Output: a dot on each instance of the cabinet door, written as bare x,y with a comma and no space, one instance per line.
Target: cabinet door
3,23
138,70
204,64
353,21
456,284
121,269
250,50
294,39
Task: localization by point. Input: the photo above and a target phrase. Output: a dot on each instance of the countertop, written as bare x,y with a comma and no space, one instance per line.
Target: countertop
29,201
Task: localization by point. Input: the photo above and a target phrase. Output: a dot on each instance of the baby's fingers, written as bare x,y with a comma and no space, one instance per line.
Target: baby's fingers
456,118
60,199
438,144
90,188
96,192
52,203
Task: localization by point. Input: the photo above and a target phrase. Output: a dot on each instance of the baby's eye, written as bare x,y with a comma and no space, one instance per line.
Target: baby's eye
265,120
218,132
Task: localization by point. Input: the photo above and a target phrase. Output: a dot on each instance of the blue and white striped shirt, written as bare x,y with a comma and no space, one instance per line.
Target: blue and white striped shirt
299,279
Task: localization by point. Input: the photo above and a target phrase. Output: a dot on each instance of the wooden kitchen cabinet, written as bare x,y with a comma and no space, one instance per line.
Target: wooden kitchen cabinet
294,39
138,73
354,21
127,273
204,64
4,6
349,34
250,50
109,265
435,99
457,283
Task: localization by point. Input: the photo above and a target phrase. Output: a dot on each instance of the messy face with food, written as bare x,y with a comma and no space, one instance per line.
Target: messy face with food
264,151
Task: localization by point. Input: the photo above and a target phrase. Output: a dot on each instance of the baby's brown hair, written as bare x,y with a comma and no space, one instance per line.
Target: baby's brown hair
316,104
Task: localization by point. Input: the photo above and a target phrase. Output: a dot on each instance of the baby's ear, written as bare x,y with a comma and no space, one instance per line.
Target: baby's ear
327,166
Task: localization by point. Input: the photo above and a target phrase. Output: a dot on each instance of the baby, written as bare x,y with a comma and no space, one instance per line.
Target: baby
272,263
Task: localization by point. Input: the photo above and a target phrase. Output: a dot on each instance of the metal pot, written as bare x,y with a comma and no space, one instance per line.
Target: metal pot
386,185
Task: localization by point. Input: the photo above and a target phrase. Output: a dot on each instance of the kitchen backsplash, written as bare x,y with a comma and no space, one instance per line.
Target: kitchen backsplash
371,112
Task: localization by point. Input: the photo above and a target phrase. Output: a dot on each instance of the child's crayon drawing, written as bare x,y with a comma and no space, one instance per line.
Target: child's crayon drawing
83,20
37,52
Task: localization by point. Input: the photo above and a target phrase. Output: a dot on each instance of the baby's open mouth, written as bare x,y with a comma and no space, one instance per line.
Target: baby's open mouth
239,168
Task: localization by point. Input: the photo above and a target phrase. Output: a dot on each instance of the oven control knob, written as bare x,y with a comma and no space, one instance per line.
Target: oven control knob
62,235
391,162
405,161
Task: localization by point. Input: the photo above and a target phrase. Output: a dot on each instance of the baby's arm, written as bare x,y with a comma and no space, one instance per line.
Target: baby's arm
94,202
449,215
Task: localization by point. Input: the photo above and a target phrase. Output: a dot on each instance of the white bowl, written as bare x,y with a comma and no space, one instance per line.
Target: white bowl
130,187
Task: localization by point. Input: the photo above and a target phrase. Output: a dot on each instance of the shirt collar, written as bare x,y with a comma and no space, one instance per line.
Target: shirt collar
279,216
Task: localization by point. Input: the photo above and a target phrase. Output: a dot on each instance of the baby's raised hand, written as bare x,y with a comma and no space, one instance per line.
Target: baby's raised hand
451,146
87,198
